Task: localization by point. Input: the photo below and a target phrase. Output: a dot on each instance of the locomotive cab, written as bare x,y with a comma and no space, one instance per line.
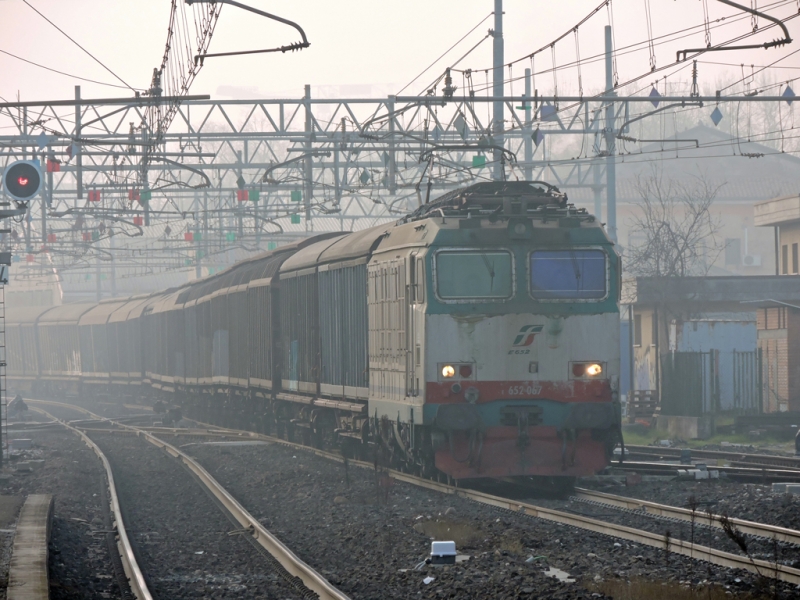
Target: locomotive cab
506,348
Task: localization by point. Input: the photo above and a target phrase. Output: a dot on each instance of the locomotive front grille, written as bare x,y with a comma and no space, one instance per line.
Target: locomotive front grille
513,416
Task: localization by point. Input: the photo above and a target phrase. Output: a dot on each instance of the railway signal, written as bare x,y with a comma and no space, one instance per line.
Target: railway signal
22,180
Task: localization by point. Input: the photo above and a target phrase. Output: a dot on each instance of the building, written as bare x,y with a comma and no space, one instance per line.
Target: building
779,318
698,345
743,172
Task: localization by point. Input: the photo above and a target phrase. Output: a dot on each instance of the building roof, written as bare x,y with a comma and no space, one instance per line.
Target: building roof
711,290
778,211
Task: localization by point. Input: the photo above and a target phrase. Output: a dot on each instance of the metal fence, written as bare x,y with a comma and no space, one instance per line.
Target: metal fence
695,384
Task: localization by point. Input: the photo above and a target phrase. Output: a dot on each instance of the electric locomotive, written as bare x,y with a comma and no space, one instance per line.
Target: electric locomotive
512,361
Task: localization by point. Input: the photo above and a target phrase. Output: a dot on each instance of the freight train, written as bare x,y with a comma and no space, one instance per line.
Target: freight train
478,337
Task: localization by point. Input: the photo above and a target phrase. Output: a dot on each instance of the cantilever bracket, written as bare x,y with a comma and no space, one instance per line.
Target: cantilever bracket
312,154
290,48
787,38
427,154
188,168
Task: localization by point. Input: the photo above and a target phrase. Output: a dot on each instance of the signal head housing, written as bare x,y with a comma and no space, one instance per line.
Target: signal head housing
22,180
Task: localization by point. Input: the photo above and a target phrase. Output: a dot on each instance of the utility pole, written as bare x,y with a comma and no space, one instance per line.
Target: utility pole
77,143
205,222
198,252
390,167
112,266
308,164
611,145
528,129
99,283
497,91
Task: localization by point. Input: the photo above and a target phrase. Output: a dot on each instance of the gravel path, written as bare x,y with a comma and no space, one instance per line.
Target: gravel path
80,560
367,537
182,540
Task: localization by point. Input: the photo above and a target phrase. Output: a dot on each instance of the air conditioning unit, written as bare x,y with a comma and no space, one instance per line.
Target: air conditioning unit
752,260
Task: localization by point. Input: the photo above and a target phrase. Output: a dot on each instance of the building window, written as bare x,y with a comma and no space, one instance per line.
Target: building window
794,258
785,259
733,252
653,329
637,330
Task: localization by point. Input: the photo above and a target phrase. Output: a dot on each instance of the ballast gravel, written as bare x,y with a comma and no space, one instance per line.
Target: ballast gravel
186,547
370,535
59,463
752,502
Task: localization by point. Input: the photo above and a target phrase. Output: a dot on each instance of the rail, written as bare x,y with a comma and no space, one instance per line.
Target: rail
755,474
781,534
288,560
647,538
728,455
129,564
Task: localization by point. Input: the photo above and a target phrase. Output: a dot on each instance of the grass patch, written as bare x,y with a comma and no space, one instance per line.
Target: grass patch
464,534
643,589
638,435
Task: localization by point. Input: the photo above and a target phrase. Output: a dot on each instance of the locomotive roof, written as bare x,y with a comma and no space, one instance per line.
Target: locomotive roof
494,198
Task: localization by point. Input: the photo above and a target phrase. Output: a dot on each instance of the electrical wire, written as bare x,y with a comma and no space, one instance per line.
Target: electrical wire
426,69
30,62
97,60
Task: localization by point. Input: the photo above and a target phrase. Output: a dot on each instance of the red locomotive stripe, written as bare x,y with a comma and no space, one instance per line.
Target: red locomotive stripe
490,391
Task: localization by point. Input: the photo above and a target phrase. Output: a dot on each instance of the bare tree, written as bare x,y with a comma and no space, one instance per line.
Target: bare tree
677,233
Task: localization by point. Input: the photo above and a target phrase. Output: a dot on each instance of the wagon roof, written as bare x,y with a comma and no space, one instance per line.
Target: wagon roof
356,245
66,313
26,314
123,312
262,266
99,314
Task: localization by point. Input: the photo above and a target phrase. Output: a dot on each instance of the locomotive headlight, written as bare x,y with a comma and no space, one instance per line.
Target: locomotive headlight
587,370
594,369
448,371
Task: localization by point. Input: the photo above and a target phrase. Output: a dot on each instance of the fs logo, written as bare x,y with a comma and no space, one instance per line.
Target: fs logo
526,335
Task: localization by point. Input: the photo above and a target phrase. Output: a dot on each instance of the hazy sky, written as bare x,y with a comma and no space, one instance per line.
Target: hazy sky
374,47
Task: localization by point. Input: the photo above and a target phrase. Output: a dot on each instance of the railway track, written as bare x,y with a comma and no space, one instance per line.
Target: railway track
752,474
312,583
781,534
735,459
135,577
639,536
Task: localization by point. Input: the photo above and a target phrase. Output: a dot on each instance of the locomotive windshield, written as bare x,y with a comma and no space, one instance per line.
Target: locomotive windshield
472,274
568,274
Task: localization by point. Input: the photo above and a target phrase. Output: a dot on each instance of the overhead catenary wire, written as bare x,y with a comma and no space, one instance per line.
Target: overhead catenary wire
657,41
445,53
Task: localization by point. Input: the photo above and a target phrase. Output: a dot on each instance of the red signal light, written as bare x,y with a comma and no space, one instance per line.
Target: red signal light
23,181
578,369
465,371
